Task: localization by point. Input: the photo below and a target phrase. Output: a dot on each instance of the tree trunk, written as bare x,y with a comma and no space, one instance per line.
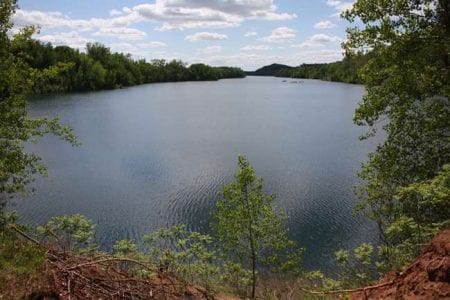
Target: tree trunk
251,240
253,274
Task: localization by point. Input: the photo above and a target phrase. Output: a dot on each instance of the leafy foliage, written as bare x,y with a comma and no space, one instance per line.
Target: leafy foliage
20,258
125,248
355,266
70,233
407,78
320,282
249,229
237,277
185,254
423,211
427,202
17,167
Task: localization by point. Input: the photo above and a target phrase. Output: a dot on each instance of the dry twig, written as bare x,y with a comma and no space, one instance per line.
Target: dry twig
111,259
364,289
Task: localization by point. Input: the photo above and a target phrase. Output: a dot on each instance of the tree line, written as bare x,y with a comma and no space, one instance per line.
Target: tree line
345,70
64,69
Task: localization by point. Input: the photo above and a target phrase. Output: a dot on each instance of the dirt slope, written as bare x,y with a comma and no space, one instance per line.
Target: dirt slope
82,277
427,278
73,277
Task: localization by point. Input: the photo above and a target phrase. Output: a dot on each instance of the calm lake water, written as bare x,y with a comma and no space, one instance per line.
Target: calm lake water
156,155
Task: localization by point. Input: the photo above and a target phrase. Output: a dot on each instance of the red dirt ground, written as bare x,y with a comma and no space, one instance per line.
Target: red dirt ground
77,277
427,278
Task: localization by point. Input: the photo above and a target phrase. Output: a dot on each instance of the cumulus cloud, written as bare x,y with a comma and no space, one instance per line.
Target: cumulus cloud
139,50
183,14
340,6
250,33
127,10
324,38
153,44
56,19
124,48
318,41
280,35
308,44
121,33
114,12
324,25
72,39
172,14
206,36
255,48
211,49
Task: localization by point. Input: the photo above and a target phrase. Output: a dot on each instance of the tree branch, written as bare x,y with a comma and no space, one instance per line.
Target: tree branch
111,259
364,289
23,234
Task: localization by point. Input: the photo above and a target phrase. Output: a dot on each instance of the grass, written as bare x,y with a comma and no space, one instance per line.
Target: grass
22,268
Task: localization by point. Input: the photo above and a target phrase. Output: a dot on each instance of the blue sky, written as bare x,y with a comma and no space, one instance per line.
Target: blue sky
243,33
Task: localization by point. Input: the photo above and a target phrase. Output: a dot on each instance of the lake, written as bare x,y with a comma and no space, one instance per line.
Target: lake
156,155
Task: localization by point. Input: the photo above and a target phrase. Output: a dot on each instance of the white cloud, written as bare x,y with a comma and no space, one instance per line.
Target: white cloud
114,12
139,50
183,14
211,49
272,16
172,14
47,20
153,44
206,36
318,41
318,56
324,25
280,35
124,48
72,39
130,34
255,48
340,6
308,44
324,38
185,17
250,33
127,10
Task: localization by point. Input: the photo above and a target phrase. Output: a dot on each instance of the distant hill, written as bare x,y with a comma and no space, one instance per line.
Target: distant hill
345,70
270,70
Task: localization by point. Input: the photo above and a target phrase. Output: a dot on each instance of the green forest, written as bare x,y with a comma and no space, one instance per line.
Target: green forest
345,70
64,69
404,185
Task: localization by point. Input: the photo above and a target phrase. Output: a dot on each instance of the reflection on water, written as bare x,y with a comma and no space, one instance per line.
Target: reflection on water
157,155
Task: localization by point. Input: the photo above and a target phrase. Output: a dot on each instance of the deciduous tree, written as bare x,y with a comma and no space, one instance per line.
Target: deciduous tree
407,79
249,228
17,167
